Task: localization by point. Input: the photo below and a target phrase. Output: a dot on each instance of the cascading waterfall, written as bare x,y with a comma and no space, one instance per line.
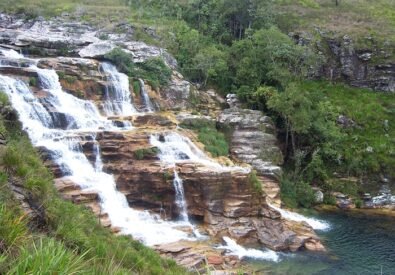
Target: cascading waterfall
76,113
180,197
10,53
149,107
314,223
176,148
118,101
82,118
98,161
234,249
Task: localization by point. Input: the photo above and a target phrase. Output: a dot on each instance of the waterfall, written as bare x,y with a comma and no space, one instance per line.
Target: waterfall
314,223
180,197
234,249
75,113
98,161
11,53
118,100
83,121
173,149
176,148
149,107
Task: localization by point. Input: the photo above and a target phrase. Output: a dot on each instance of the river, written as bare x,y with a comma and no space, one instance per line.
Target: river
357,243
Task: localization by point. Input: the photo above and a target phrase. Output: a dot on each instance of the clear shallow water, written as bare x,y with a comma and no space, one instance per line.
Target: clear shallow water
356,243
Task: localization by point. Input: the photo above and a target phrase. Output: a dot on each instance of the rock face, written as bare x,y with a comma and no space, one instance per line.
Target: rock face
253,141
364,67
58,37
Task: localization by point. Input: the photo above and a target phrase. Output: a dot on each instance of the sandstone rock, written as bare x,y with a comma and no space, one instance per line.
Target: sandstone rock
253,141
214,260
96,50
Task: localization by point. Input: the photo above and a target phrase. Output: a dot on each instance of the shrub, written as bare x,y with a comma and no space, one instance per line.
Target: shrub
33,81
146,152
153,70
213,140
296,193
255,182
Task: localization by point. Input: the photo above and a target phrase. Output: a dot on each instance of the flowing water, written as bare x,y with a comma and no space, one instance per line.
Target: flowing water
233,248
357,243
316,224
80,119
118,101
148,106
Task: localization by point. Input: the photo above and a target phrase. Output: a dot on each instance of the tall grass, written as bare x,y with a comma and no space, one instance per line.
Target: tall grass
48,256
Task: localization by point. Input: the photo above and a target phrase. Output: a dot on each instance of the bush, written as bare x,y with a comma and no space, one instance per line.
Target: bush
154,70
296,193
255,182
146,153
213,140
33,81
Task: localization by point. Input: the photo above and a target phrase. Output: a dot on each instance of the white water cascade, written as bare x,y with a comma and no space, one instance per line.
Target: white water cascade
180,197
314,223
149,107
10,53
176,148
118,100
83,121
234,249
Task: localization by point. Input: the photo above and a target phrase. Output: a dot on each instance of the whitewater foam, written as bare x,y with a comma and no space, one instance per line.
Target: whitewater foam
233,248
316,224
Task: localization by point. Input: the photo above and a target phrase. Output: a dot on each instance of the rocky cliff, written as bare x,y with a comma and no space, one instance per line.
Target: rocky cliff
365,65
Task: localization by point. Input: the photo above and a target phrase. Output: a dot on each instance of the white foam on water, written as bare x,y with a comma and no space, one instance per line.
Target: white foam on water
118,101
316,224
11,53
176,148
233,248
149,107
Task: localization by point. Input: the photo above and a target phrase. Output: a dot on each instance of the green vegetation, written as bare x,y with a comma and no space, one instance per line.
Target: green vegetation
33,81
65,238
255,182
146,153
213,140
136,87
154,70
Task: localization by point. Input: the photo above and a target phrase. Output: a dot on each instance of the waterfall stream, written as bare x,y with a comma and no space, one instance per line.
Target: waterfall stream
148,106
314,223
81,120
117,95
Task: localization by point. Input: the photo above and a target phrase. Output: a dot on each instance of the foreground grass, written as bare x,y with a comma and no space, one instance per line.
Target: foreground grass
67,239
